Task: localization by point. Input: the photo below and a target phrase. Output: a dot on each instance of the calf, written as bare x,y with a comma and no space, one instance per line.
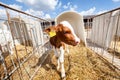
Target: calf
60,35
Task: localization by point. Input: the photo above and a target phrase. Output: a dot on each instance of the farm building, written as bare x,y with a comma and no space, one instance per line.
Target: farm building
88,20
26,54
49,22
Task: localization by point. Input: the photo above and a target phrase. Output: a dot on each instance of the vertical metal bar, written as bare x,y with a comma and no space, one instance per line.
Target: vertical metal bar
15,47
15,27
87,27
29,32
116,38
8,16
3,63
21,25
103,34
39,35
9,48
98,35
94,34
34,36
39,67
22,32
18,60
107,31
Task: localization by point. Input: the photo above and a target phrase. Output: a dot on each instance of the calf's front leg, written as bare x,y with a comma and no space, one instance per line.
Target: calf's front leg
61,59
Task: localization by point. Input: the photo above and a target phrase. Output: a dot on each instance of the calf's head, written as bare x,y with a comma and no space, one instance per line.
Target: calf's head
64,32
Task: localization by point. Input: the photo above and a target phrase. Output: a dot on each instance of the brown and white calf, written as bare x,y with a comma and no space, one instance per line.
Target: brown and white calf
62,34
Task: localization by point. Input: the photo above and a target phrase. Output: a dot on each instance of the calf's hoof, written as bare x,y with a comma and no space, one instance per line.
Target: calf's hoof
63,75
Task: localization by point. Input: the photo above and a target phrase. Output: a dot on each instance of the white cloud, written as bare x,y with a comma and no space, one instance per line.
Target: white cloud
59,4
29,11
11,12
70,6
67,5
19,0
116,0
47,16
91,11
34,12
3,13
38,13
16,6
100,12
43,5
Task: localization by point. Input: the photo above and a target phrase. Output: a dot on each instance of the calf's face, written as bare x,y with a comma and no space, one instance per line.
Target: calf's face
65,34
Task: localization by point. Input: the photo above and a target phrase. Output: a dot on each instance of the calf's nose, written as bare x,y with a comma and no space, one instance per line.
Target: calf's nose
77,40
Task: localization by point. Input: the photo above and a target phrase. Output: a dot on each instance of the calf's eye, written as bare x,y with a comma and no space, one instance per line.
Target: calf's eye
66,32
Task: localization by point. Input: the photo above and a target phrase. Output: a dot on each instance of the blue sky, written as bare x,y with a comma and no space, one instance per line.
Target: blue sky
51,8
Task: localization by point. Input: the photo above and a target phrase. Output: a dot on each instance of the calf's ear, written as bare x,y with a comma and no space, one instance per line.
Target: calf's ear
47,30
59,27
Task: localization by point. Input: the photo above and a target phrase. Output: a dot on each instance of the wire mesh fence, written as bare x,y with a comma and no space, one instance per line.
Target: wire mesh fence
103,35
22,42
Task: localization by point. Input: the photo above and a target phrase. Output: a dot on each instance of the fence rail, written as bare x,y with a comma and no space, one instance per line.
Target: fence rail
6,6
103,35
21,45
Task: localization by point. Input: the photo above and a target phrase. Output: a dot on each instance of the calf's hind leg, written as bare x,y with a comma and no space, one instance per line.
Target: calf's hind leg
57,56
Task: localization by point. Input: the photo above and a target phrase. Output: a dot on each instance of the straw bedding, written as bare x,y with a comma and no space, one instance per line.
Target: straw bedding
83,64
22,53
80,64
115,48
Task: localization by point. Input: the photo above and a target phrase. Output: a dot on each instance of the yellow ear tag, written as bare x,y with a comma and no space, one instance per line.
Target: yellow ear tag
52,33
